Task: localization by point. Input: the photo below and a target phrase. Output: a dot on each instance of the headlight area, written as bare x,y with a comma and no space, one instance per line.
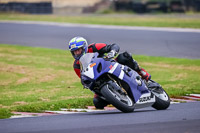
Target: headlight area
86,82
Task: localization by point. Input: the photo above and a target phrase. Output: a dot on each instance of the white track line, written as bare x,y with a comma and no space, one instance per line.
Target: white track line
166,29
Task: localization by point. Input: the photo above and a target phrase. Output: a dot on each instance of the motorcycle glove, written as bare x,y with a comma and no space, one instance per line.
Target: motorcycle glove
111,54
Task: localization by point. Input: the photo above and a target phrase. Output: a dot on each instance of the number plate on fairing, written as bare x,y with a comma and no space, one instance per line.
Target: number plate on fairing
145,100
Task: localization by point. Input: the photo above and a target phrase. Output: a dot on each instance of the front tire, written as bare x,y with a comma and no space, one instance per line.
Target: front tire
162,99
121,101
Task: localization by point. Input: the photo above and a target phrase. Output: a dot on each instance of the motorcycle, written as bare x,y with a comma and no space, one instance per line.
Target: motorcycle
119,85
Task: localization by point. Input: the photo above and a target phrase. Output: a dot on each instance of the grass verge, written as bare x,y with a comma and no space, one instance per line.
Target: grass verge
126,20
38,79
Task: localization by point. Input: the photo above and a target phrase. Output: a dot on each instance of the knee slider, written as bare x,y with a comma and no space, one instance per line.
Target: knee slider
127,55
126,59
123,58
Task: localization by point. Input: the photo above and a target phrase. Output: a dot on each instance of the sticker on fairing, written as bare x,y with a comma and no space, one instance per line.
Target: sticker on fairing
89,72
112,68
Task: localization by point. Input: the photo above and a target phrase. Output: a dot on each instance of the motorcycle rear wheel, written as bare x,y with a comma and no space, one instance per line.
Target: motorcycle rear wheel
121,101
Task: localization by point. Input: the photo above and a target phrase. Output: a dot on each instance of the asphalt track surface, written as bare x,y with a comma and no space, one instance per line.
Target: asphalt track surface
178,118
183,118
168,42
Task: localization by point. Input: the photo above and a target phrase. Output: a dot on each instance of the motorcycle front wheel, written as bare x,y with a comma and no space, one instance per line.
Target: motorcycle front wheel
117,98
162,98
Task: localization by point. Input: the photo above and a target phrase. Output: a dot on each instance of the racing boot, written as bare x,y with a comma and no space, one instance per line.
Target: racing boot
99,103
144,74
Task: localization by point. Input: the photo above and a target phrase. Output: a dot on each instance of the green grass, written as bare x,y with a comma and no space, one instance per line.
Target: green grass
126,20
37,79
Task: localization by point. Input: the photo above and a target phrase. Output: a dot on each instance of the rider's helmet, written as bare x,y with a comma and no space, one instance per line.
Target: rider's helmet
76,43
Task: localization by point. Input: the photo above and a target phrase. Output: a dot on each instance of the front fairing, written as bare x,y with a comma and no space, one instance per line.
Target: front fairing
92,68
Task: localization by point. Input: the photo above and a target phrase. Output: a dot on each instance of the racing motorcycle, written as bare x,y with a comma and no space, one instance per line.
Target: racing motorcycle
119,85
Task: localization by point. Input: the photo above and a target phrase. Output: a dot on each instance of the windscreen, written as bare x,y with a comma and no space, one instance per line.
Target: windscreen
85,60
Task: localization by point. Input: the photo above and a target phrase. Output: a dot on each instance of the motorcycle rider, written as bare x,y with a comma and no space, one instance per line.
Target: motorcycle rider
79,46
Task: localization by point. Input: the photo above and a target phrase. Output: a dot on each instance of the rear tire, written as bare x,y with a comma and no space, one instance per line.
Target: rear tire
121,101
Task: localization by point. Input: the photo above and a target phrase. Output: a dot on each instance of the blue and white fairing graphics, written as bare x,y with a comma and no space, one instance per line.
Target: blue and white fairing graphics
124,73
90,64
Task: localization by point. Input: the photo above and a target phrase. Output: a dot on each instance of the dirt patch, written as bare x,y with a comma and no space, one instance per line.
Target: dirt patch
74,97
44,99
13,68
23,80
2,106
177,86
4,83
47,78
67,65
179,76
20,103
14,51
36,75
163,65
